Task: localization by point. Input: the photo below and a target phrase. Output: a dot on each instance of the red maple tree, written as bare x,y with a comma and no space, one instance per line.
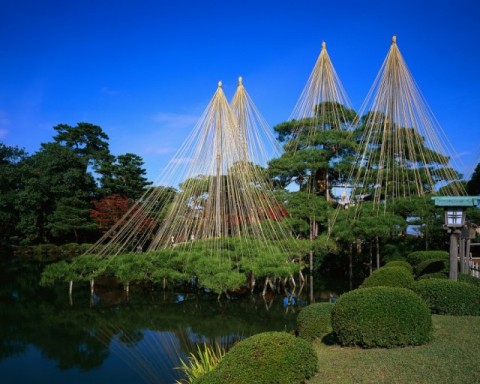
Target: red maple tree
114,208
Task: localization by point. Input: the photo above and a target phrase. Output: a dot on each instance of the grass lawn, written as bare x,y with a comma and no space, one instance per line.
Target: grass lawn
452,356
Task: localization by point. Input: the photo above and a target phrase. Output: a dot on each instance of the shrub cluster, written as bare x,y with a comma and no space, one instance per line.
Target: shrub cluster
315,320
270,357
432,266
436,275
390,277
417,257
469,279
447,297
399,263
381,317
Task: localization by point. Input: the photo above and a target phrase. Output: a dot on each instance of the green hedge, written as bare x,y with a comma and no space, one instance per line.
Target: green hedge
381,317
270,357
432,266
399,263
417,257
389,277
469,279
436,275
315,320
448,297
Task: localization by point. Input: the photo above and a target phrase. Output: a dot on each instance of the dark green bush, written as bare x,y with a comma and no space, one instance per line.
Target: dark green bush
448,297
315,320
436,275
399,263
417,257
270,357
469,279
432,266
389,277
383,317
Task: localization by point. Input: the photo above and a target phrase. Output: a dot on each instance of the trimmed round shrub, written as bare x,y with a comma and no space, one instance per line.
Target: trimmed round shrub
383,317
315,320
389,277
417,257
270,357
399,263
432,266
448,297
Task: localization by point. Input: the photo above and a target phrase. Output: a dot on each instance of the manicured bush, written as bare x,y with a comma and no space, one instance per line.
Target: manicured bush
270,357
469,279
315,320
432,266
417,257
436,275
399,263
448,297
381,317
389,277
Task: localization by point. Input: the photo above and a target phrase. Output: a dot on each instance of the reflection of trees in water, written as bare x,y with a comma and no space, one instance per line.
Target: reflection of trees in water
150,332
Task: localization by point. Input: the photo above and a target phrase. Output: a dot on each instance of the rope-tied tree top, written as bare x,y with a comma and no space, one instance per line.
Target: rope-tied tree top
403,151
223,189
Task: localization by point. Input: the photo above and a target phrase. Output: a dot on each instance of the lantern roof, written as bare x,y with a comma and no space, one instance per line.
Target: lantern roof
456,201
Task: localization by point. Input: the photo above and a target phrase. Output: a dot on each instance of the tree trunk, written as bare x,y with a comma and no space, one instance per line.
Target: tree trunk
310,261
467,257
70,290
377,243
267,281
359,247
127,289
370,262
453,273
462,255
252,282
350,267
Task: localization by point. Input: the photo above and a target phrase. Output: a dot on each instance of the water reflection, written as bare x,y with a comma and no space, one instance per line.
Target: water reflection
126,339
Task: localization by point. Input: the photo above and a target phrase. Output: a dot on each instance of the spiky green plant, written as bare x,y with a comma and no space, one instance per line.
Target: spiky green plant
205,360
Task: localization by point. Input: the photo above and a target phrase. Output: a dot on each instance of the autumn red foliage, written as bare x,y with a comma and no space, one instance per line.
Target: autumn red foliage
113,208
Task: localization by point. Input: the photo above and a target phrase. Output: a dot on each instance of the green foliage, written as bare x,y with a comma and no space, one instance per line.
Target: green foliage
131,267
438,265
10,184
60,271
436,275
473,185
199,364
447,297
383,317
81,268
70,217
315,320
124,176
53,202
271,357
316,150
390,277
469,279
399,263
88,141
417,257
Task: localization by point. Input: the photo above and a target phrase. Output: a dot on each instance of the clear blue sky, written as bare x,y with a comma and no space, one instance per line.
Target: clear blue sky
145,70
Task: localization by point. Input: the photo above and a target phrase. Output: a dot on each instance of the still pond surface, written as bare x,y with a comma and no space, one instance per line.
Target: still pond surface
46,338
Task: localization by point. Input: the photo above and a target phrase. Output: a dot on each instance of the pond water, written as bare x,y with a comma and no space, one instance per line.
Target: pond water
47,337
